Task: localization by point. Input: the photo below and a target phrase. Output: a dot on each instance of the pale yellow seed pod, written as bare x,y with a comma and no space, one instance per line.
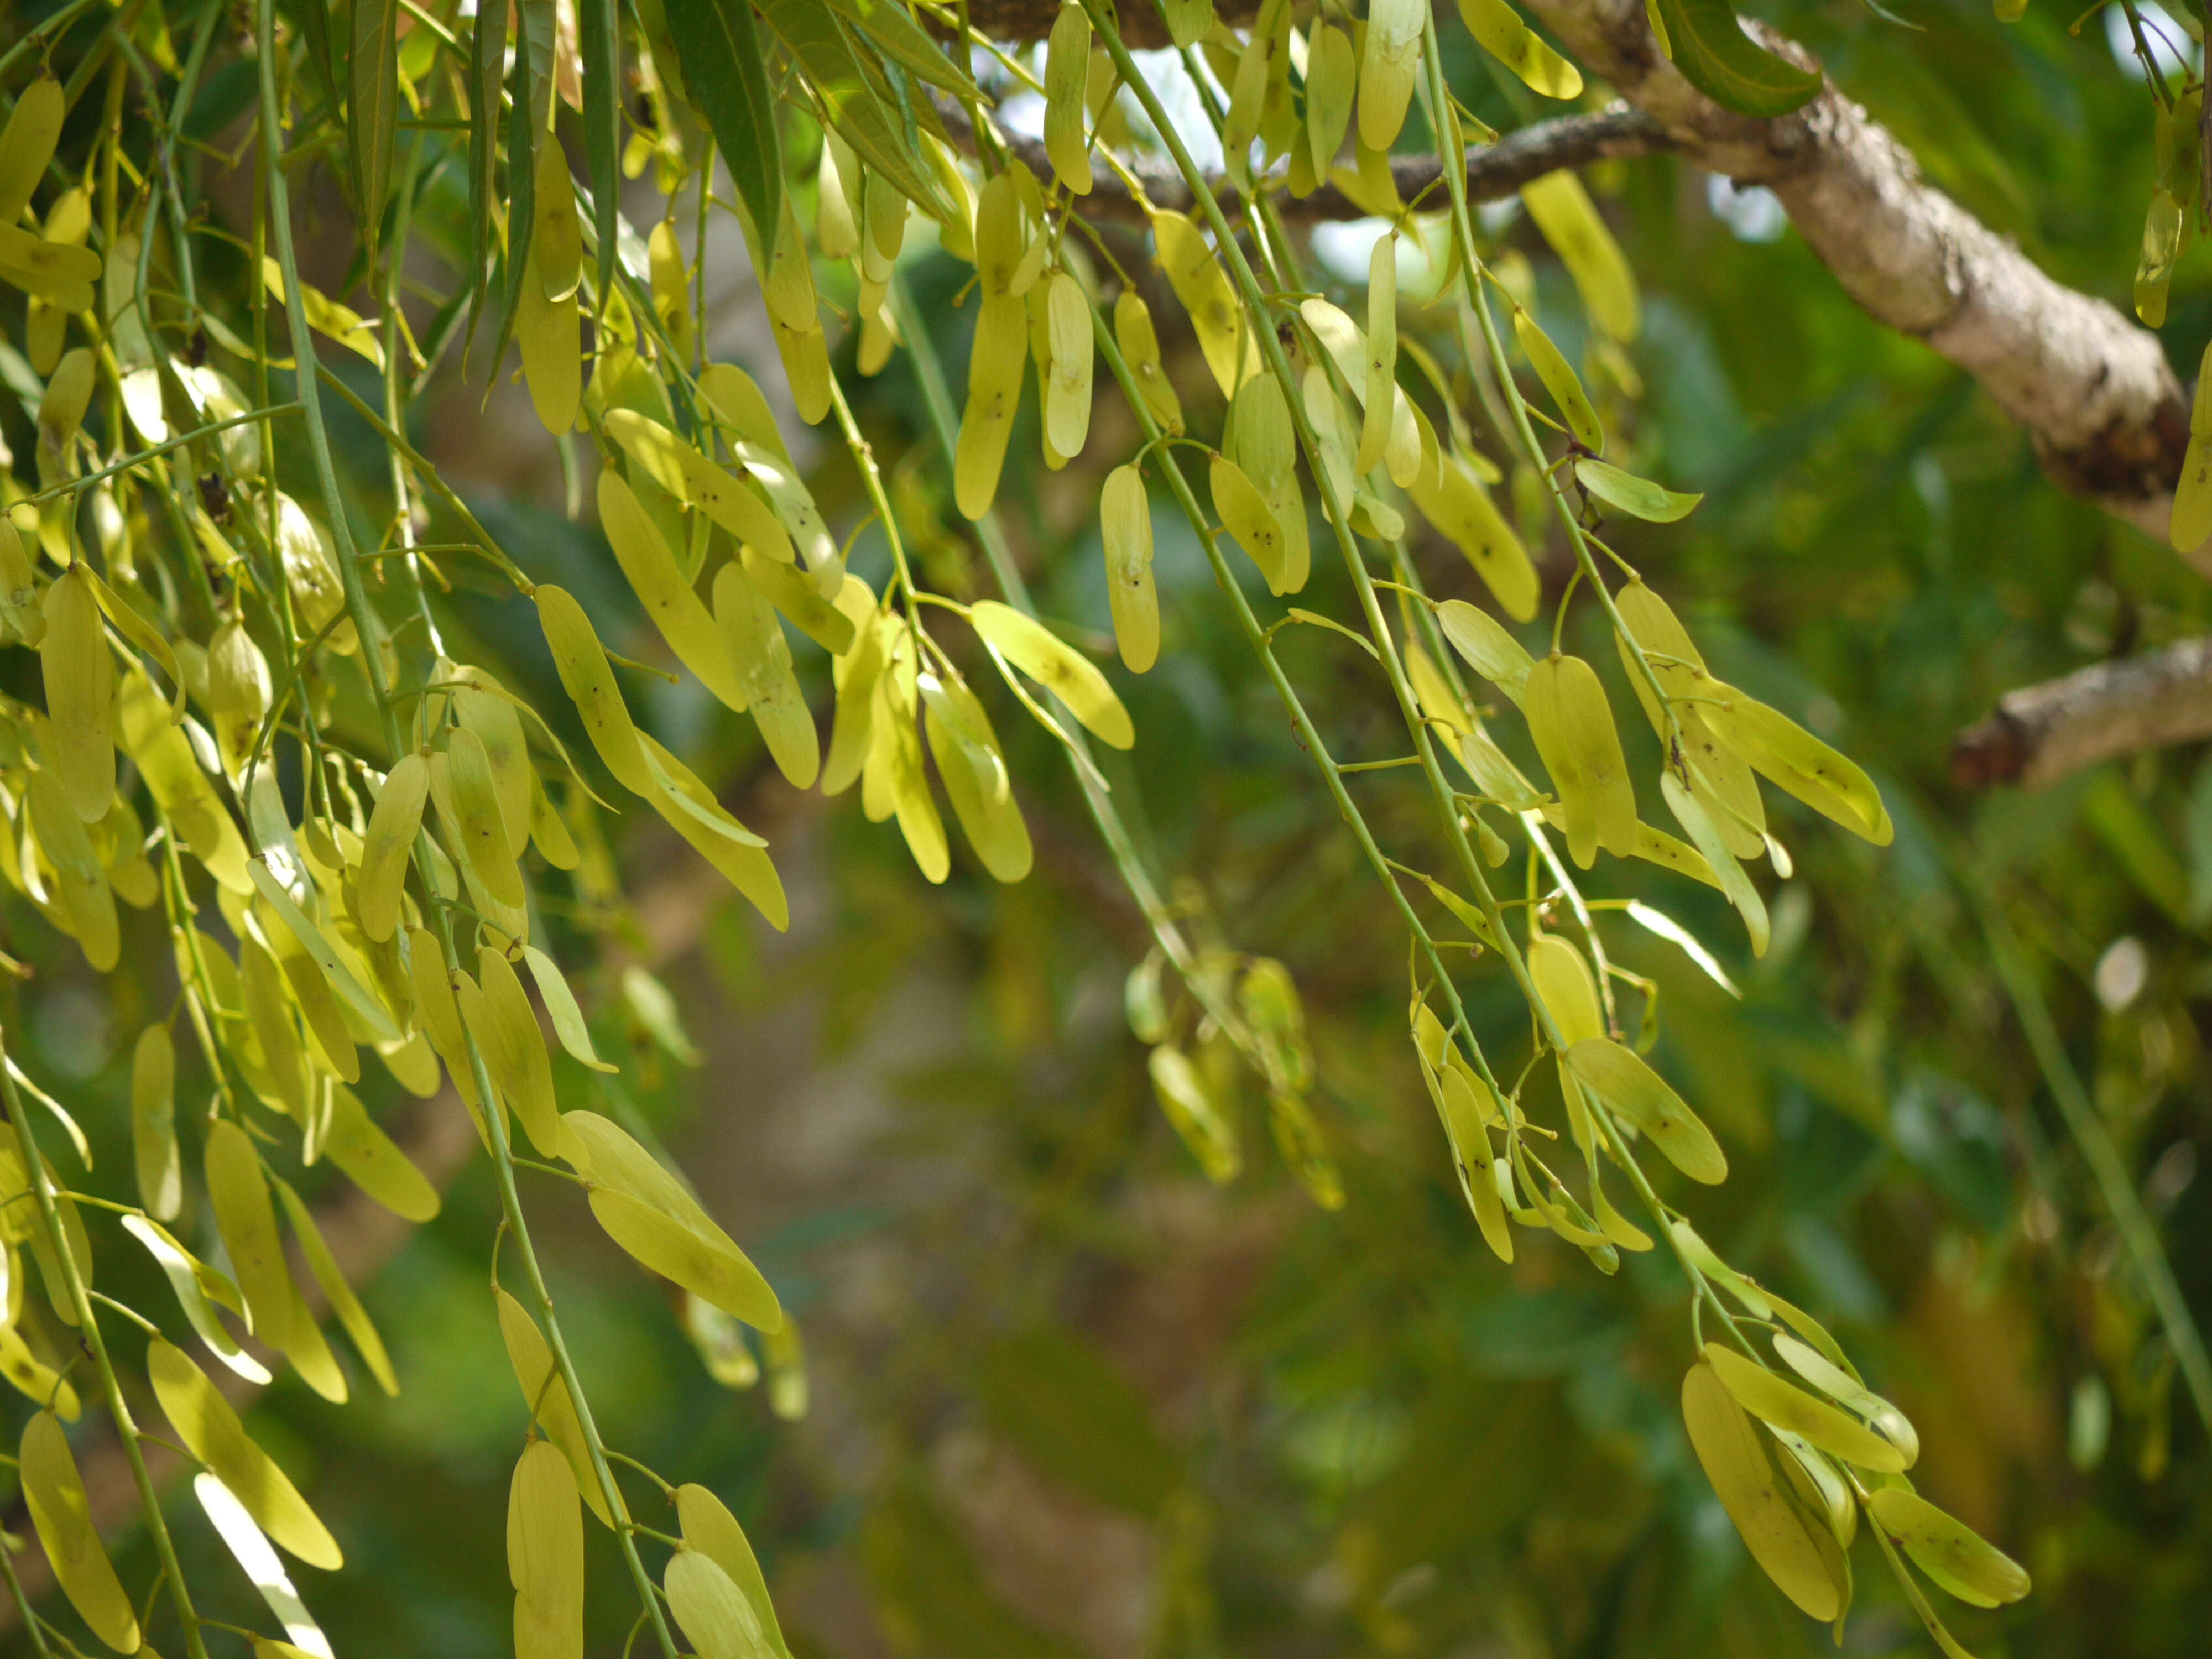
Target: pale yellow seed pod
1189,21
799,601
27,144
1512,43
61,1513
1560,380
546,1394
973,768
671,284
710,1528
788,285
85,897
1325,415
1125,523
1058,666
61,414
550,333
711,1609
1332,77
1248,94
392,824
479,827
851,730
1569,220
837,230
210,1431
332,1044
80,681
437,1008
498,724
237,693
497,1012
558,245
1390,58
1572,725
582,663
956,235
671,601
994,390
1067,392
154,1123
1722,780
1203,287
19,589
311,571
1067,83
762,656
1463,514
1140,350
1262,441
1191,1108
548,832
999,240
546,1555
1381,363
883,227
1245,515
1563,980
238,1193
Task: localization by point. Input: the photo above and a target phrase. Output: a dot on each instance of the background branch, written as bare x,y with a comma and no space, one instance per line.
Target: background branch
1494,172
2041,733
2100,403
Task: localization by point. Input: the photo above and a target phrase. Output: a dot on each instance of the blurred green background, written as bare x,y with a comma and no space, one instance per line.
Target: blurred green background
1062,1396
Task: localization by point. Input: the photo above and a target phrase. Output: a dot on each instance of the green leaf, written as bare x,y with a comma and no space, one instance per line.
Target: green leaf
899,38
727,77
851,98
597,22
1639,1094
533,66
315,30
1948,1551
1637,497
487,60
1720,60
373,112
530,87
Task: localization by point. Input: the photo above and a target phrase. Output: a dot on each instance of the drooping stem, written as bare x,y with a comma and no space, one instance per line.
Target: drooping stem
88,1321
365,624
1120,846
2138,1232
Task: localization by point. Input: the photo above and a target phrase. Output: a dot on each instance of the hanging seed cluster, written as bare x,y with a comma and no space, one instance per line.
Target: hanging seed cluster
201,633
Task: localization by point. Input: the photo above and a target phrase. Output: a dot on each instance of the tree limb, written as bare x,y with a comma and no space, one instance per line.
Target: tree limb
2041,733
2099,402
1494,172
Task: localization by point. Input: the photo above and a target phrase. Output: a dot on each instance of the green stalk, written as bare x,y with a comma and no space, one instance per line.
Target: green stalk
1115,834
2138,1232
126,1430
364,620
1258,318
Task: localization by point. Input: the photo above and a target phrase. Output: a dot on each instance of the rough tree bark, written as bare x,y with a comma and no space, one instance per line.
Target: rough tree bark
1494,172
2041,733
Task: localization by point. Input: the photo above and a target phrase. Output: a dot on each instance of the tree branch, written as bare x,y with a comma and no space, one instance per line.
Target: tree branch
1142,27
1494,172
2041,733
2099,402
